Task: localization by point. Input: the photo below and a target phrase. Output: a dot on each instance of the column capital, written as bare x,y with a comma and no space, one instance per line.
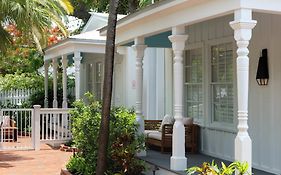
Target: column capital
139,49
77,56
178,41
46,64
121,50
64,61
243,24
55,62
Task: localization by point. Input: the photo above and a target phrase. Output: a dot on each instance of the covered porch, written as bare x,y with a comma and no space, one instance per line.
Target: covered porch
211,72
83,54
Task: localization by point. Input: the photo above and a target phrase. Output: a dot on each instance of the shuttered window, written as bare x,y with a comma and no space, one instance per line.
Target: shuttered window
194,83
98,80
222,82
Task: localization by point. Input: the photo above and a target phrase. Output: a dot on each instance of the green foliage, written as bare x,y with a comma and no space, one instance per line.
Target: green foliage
32,17
212,168
78,165
83,6
123,143
144,3
20,60
21,81
38,96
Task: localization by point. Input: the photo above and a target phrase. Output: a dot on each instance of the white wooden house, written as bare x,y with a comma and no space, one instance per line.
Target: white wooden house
200,59
216,46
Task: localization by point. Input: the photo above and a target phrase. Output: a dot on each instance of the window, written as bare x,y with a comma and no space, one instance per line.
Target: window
222,82
194,83
98,80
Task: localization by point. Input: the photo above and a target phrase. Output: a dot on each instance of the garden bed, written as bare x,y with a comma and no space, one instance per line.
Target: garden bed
66,148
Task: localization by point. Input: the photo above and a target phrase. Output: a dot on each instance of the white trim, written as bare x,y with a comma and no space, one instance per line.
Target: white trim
209,116
178,13
71,46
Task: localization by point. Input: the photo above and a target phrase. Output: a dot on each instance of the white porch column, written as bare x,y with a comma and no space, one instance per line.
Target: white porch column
242,26
178,159
46,88
139,48
55,83
77,64
64,80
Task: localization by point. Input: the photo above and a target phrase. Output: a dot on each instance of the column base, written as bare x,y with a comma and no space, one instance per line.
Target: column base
64,104
46,103
141,154
243,150
178,163
55,104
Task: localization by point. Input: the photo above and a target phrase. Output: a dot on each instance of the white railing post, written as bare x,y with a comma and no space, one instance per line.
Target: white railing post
36,127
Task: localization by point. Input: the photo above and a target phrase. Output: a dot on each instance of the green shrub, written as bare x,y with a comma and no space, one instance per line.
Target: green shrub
21,81
212,168
123,143
79,166
38,97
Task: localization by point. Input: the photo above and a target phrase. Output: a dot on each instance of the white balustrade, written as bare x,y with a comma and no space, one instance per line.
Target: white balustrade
15,96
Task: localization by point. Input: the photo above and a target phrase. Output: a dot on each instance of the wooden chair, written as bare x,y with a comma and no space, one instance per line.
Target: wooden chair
9,131
164,139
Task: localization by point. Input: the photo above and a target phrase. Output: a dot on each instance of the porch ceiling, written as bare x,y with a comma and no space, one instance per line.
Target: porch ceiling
159,40
161,17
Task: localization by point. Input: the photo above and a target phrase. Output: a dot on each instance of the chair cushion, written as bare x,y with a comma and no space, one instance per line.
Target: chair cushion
155,135
148,132
187,120
6,121
167,120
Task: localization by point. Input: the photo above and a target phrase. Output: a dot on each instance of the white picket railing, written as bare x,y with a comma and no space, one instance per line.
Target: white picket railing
27,128
51,125
16,129
15,96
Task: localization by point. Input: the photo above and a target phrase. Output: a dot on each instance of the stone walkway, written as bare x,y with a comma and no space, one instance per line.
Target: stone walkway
47,161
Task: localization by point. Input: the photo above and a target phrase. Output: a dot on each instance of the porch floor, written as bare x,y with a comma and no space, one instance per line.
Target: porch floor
163,161
47,161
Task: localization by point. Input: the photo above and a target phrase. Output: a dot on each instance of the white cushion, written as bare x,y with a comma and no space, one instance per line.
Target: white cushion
166,120
155,135
6,121
187,120
148,132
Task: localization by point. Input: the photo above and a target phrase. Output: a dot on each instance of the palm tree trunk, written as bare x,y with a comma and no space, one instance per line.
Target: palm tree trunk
107,88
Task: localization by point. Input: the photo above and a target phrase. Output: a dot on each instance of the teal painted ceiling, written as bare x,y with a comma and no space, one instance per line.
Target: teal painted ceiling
159,40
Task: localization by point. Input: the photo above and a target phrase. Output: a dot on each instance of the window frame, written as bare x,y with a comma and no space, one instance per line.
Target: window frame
210,120
195,46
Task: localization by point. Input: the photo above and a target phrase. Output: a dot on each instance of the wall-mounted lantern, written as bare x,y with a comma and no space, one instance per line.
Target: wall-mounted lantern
262,72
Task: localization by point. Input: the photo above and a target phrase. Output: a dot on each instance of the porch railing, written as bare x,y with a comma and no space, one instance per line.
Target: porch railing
15,96
27,128
51,125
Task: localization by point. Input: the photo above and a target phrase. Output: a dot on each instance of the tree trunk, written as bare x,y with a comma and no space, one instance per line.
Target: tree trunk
107,88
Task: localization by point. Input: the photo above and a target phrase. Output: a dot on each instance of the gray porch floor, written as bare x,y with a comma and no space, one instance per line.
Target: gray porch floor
163,161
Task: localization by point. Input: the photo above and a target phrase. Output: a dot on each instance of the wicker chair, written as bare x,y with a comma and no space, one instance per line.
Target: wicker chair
164,139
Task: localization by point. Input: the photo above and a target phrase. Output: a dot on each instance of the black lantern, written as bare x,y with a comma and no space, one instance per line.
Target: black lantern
262,72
